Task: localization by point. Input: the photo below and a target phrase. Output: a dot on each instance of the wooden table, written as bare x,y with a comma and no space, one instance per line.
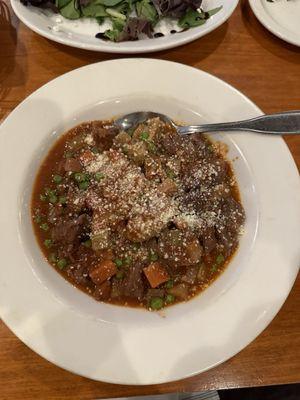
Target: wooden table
245,55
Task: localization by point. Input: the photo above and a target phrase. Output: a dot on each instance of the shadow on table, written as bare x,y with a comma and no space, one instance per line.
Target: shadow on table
266,39
190,53
11,73
197,50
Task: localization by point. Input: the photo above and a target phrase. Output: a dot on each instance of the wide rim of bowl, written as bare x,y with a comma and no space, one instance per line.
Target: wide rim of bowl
41,320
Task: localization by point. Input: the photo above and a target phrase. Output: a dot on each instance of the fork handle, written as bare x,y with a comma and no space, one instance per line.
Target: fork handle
285,123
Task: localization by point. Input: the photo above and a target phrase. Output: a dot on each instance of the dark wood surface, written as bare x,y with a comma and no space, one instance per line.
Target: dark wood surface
245,55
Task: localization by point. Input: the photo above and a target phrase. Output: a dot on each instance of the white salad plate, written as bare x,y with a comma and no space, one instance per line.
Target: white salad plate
81,33
281,17
128,345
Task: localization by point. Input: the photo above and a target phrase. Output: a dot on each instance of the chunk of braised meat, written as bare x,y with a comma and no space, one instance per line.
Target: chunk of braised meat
168,186
169,140
79,273
179,248
121,140
190,275
203,199
200,143
234,216
55,212
154,127
209,240
75,202
60,167
188,151
104,221
68,230
103,137
202,173
68,251
233,212
132,284
72,165
137,152
153,168
227,239
103,291
180,291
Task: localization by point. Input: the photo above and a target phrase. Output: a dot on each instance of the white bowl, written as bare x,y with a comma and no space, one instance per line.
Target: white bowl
133,346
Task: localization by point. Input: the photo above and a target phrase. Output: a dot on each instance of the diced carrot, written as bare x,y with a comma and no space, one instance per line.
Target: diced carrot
156,274
87,156
105,270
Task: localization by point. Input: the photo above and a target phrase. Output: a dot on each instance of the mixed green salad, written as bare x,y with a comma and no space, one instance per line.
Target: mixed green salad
130,19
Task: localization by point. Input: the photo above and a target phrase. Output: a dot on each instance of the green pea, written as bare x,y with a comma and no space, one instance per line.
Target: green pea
83,185
156,303
43,197
62,199
87,243
68,154
153,256
170,298
220,259
95,150
99,176
169,284
38,219
53,199
49,192
62,263
52,258
44,226
120,275
127,260
144,136
48,243
214,267
118,262
57,179
151,147
79,177
170,173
